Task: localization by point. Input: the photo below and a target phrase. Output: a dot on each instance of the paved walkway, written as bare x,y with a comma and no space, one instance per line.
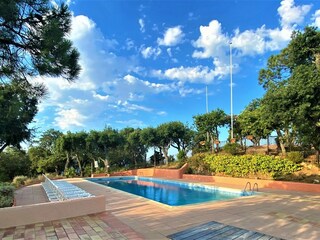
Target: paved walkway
282,214
98,226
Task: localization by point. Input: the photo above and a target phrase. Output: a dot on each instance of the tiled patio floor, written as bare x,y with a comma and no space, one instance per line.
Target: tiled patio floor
282,214
95,227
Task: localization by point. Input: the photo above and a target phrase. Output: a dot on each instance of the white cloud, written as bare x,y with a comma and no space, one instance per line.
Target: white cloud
212,41
162,113
142,25
316,18
132,123
100,97
69,118
173,36
198,74
291,14
250,42
149,52
81,26
130,107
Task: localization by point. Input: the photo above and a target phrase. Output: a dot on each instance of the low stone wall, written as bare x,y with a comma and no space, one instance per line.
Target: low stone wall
36,213
280,185
153,172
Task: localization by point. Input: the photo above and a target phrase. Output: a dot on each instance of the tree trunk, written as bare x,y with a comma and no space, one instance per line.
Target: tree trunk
67,162
79,164
281,142
165,154
154,157
268,143
318,156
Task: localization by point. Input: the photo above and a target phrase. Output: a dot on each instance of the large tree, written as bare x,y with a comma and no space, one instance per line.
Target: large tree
33,42
292,80
253,123
18,106
209,124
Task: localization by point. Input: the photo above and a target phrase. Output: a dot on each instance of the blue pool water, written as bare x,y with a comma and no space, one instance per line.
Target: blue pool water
172,193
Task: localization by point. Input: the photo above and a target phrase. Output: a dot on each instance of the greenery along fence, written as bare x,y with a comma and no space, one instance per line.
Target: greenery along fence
6,195
242,166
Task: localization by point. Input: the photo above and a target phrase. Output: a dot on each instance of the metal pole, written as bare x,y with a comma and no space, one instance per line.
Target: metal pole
207,99
231,106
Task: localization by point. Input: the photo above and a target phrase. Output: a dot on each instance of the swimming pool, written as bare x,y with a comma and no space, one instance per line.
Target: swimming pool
172,193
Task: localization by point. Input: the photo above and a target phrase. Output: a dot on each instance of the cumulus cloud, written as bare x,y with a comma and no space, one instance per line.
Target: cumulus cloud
142,25
172,37
67,118
213,42
198,74
291,14
81,26
132,123
316,18
149,52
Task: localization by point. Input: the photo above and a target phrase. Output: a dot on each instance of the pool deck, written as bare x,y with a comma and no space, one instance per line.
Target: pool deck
282,214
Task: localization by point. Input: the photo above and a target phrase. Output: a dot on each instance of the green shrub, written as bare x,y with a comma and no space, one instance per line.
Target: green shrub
13,163
296,157
19,181
197,165
87,171
6,195
233,148
250,165
70,172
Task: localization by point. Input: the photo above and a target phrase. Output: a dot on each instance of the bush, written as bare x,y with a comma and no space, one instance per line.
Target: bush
197,165
6,195
70,172
13,163
233,148
250,165
19,181
296,157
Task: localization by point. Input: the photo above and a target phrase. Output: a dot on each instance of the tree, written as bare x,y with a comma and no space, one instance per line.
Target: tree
150,138
209,124
134,147
182,136
292,81
33,41
18,106
14,163
253,123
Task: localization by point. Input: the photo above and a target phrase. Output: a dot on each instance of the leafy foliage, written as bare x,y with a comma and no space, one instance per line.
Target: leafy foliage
13,162
19,181
6,195
197,165
233,148
250,165
296,157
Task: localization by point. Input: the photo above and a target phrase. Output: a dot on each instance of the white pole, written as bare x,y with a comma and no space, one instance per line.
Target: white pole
207,99
231,106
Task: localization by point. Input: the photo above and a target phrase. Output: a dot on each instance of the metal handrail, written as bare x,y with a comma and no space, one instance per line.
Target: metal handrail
247,184
255,184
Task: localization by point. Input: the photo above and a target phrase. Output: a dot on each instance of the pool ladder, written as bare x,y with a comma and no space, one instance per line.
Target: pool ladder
248,185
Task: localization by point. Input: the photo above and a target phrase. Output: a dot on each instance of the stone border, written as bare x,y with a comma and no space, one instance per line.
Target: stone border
271,184
43,212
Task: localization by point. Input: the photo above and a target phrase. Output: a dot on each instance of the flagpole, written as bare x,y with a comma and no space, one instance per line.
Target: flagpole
231,105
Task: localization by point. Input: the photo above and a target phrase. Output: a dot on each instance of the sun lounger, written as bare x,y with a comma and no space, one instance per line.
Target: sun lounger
62,190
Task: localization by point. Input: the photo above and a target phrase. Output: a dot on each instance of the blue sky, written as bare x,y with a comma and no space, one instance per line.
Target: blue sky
149,62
